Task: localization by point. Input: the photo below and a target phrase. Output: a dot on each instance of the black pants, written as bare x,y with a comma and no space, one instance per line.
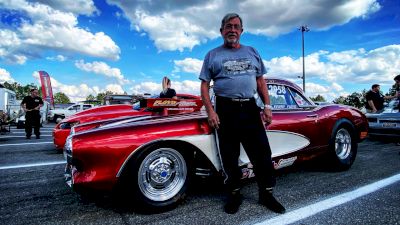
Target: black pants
240,122
32,119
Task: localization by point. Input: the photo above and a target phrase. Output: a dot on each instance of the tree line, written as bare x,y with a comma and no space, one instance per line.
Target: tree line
59,97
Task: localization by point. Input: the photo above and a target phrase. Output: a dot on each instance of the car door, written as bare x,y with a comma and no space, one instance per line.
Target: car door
292,112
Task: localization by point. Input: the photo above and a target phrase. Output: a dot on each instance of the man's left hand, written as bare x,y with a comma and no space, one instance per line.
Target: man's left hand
267,116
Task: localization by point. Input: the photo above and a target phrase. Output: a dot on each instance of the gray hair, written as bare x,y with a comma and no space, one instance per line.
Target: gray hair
230,16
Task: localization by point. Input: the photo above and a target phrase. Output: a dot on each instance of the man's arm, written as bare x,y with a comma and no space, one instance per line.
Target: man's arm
371,104
263,92
213,118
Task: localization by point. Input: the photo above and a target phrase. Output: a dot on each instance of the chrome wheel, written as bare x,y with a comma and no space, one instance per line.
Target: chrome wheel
343,144
162,174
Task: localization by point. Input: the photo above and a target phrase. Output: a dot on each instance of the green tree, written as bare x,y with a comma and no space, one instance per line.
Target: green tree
61,98
318,98
90,98
20,91
356,99
100,96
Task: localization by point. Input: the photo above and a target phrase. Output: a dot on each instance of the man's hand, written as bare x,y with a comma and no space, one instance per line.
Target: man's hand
267,116
213,119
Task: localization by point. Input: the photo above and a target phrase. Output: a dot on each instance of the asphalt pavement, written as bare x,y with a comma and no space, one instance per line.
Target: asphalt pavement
33,192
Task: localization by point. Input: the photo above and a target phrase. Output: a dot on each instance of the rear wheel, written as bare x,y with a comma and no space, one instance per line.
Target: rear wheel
343,147
159,177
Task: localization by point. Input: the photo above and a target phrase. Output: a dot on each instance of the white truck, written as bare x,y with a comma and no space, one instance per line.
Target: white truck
57,115
7,100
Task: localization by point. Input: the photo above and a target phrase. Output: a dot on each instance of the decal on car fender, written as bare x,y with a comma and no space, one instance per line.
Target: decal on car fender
284,162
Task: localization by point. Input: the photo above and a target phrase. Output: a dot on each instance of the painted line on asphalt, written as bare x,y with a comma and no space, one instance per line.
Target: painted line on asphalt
28,143
310,210
6,136
31,165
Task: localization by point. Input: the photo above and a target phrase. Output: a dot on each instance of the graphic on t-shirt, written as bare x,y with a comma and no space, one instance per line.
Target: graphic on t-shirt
237,66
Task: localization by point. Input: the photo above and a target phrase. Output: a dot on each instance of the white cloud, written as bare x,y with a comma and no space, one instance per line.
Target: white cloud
103,69
59,58
74,92
115,88
83,7
179,25
188,65
184,87
5,76
38,28
353,66
146,87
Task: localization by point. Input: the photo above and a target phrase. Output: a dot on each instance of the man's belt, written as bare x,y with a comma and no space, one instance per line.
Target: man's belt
235,99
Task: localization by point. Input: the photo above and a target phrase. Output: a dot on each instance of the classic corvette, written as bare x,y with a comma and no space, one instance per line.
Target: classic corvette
155,156
386,123
62,129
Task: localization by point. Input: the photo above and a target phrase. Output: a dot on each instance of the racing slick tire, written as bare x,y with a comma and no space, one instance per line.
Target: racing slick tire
343,145
159,178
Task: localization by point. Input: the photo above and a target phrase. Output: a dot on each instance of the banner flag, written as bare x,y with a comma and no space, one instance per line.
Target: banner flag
47,91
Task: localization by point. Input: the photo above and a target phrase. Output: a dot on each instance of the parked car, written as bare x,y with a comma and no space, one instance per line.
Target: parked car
57,115
386,123
100,113
154,157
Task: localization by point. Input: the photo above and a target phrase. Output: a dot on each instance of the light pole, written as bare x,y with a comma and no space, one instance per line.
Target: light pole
303,29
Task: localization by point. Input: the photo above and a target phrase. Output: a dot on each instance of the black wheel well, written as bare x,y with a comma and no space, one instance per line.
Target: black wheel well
346,123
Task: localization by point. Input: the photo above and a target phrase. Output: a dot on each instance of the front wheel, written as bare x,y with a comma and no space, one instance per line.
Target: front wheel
160,177
343,147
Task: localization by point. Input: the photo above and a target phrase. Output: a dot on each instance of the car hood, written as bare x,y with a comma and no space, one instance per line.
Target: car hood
108,113
136,121
105,109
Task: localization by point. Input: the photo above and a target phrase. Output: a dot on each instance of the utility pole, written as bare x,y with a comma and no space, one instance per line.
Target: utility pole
303,29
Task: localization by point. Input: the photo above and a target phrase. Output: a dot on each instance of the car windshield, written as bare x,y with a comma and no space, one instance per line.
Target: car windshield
392,106
136,106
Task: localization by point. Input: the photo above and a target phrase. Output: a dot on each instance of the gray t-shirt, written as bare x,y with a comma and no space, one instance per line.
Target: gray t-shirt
233,71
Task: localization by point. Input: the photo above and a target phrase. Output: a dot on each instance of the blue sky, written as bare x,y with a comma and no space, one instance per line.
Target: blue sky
89,47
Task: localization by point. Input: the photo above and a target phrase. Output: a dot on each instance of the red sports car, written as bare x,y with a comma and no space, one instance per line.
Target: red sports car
62,129
154,156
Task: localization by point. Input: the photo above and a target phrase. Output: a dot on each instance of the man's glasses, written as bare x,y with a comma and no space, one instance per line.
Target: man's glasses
232,26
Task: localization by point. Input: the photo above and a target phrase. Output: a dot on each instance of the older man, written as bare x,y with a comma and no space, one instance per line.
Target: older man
237,71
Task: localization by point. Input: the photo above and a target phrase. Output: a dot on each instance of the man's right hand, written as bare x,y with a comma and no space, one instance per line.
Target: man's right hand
213,119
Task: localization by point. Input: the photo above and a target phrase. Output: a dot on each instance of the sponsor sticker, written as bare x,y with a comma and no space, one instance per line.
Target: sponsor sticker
284,162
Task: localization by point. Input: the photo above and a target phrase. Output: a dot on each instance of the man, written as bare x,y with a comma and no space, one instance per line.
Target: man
31,105
375,99
237,72
397,88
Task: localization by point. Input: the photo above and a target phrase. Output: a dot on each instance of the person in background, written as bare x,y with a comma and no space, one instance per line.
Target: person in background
237,72
167,91
397,88
3,121
375,99
31,105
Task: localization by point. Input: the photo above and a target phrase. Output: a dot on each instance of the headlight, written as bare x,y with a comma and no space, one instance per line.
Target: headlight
68,148
68,125
72,132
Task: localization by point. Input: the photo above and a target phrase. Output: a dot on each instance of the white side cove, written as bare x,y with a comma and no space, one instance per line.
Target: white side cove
281,142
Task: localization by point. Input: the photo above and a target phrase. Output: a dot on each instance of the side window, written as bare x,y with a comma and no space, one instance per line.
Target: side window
280,97
300,100
74,108
86,107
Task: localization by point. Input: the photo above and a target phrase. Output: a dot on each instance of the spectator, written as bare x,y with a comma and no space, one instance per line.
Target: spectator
31,105
167,91
375,99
